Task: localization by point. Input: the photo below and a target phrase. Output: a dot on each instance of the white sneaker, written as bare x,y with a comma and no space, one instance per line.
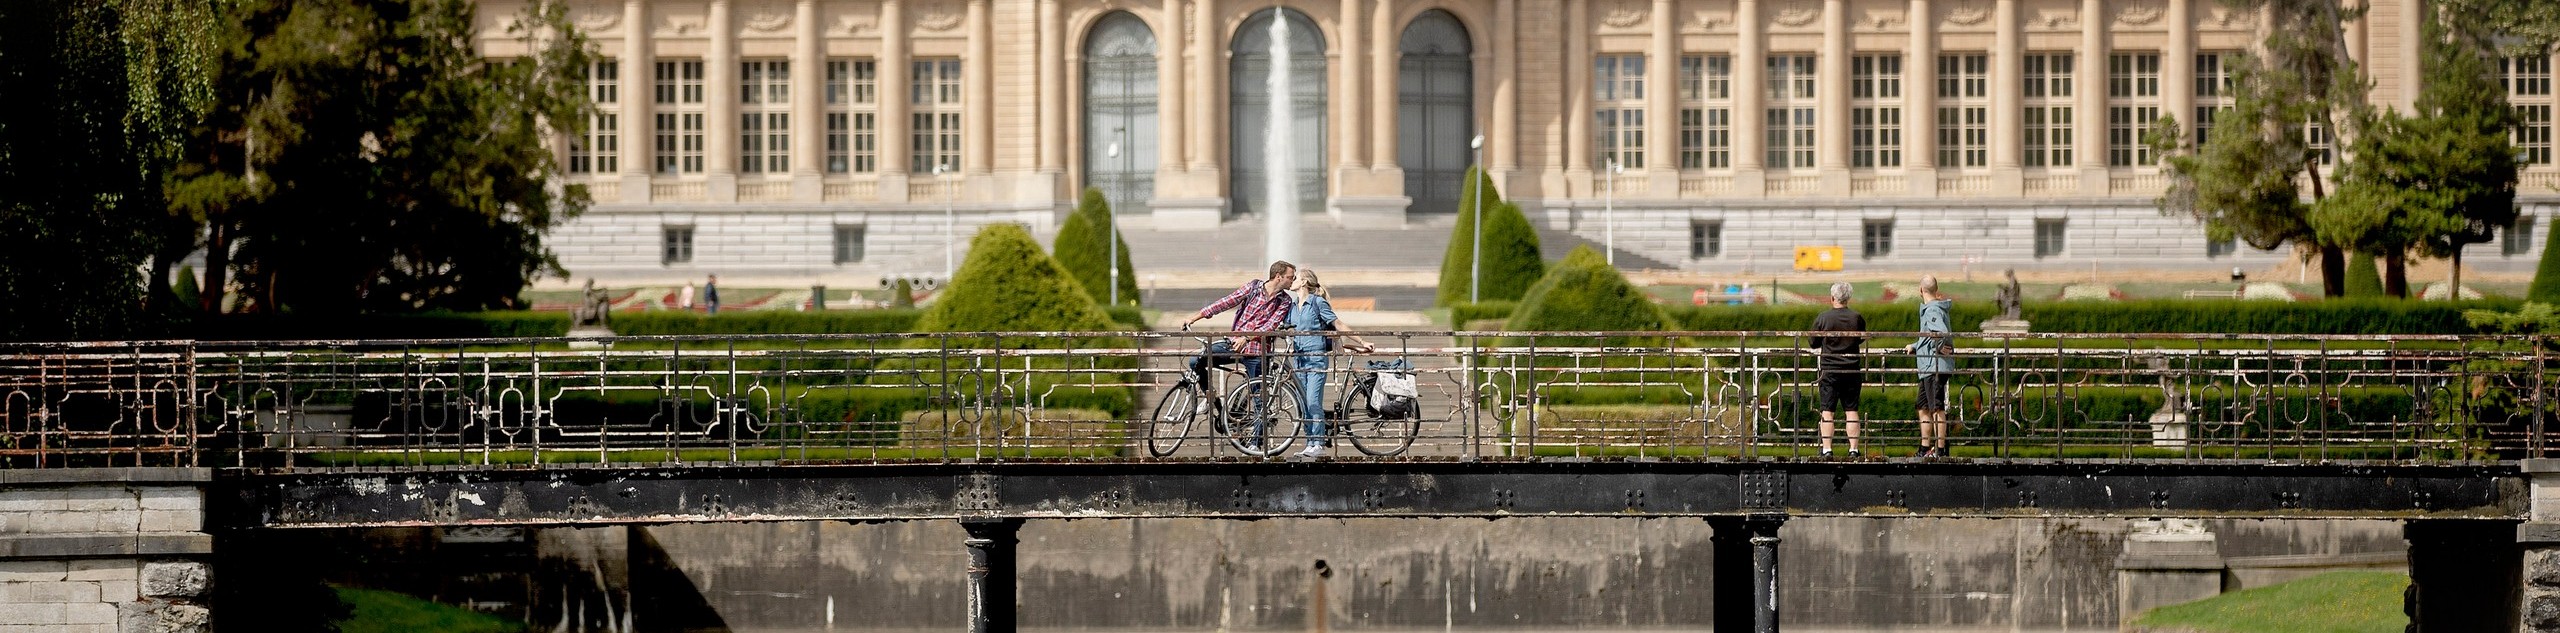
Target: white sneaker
1315,451
1200,407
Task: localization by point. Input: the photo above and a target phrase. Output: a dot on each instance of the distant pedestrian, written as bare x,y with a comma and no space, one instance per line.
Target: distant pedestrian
1934,365
1839,378
711,294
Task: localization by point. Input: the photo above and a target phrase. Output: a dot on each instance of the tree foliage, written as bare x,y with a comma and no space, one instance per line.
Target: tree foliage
375,161
1512,261
2436,179
2242,181
1085,241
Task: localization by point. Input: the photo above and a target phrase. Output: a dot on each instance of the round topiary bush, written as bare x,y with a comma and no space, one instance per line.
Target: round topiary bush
1009,285
1084,241
1585,293
1511,261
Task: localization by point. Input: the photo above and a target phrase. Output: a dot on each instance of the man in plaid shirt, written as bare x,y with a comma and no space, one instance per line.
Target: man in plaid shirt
1261,305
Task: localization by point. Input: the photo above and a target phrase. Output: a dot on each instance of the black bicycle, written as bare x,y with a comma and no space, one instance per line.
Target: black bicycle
1379,423
1245,416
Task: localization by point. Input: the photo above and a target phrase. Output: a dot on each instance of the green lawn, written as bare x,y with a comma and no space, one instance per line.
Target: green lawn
390,612
2340,602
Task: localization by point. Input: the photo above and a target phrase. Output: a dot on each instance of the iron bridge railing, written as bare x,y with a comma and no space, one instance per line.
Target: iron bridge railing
485,403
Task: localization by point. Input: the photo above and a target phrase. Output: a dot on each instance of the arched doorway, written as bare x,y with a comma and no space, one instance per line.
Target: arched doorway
1435,110
1120,107
1248,111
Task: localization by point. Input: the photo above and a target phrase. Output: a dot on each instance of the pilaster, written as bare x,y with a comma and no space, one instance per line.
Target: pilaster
637,68
2178,68
2089,126
1577,90
1920,99
2007,70
1831,139
1173,103
1053,91
1505,138
720,97
895,69
808,88
1662,106
978,121
1205,74
1750,90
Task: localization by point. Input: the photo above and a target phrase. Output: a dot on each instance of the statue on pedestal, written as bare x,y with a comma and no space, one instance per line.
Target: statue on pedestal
593,309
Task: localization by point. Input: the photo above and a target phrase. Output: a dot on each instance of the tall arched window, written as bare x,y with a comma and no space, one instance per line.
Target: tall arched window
1120,107
1435,110
1249,103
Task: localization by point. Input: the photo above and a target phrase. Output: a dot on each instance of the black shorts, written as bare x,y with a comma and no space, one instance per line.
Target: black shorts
1839,390
1933,392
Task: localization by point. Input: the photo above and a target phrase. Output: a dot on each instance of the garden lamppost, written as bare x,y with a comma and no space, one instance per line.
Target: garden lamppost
1475,255
1609,213
950,236
1112,215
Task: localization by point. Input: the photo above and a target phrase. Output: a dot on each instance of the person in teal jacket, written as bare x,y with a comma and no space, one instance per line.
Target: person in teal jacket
1935,366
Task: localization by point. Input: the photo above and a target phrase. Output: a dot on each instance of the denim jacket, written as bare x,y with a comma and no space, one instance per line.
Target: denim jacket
1313,315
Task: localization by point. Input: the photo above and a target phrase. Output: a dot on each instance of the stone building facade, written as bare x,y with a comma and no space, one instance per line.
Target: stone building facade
855,137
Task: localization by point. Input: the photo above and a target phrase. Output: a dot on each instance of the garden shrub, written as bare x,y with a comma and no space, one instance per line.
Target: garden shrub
1084,241
1009,285
902,294
1585,293
2333,316
1512,261
1461,314
661,323
2363,279
424,325
2546,275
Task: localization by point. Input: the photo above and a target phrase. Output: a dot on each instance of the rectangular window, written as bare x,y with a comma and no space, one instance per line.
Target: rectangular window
2048,110
2528,84
853,115
1788,118
598,151
1875,111
1617,88
2219,248
2322,145
678,109
2518,238
2133,102
2213,89
1878,239
678,244
764,116
849,243
1706,112
1706,239
934,99
1964,110
2049,237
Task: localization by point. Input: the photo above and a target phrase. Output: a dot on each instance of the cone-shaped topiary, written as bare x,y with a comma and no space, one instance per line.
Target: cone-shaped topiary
185,290
1084,241
1009,285
1585,293
1511,260
902,294
2546,277
2363,279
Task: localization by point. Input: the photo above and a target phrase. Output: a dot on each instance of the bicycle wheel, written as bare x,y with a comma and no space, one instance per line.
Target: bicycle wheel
1371,433
1262,416
1171,423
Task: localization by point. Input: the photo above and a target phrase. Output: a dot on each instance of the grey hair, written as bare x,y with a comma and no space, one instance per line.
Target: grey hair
1929,284
1840,291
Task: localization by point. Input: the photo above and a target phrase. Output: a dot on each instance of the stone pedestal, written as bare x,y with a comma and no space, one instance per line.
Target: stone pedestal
2168,561
2004,326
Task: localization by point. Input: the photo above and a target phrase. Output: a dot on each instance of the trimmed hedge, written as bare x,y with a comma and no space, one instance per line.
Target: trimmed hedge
1084,241
884,321
1008,284
429,325
1585,293
1461,314
2334,316
1512,261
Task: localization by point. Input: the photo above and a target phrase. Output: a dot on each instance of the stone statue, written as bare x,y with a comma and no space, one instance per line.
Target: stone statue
593,309
2009,296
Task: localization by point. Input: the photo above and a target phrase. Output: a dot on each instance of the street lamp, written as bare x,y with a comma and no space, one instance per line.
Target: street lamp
1475,255
1114,217
1609,213
950,236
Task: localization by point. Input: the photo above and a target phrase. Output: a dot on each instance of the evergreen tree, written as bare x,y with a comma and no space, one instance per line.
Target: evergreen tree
2435,180
1085,240
1511,261
2363,280
2546,275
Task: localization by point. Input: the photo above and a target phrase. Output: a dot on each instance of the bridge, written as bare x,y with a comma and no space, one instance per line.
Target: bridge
991,430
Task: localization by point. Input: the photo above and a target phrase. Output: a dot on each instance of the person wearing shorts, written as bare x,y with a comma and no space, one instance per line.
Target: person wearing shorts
1934,366
1840,378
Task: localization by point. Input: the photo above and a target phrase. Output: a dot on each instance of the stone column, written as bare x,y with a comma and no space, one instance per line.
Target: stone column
1173,102
2357,34
978,121
1750,90
895,70
2165,562
991,573
2178,68
1504,141
1920,102
2410,52
1831,138
1205,71
1764,570
2007,71
638,70
720,105
808,103
2089,127
1053,93
1383,55
1351,154
1577,90
1662,105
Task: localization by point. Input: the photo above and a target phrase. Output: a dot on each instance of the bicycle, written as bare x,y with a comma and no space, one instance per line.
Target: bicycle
1375,425
1170,426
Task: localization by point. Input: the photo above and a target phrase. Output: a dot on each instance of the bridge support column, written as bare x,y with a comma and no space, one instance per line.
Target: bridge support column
1746,573
2533,562
991,600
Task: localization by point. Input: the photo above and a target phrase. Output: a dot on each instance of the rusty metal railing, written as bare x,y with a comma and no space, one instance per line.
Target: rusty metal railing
1091,397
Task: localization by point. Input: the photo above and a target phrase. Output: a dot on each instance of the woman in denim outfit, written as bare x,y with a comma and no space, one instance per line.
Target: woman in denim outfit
1314,313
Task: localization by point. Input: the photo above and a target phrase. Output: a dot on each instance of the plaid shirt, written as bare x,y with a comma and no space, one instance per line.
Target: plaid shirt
1254,313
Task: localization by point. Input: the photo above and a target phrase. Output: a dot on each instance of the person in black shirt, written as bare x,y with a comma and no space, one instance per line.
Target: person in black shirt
1839,378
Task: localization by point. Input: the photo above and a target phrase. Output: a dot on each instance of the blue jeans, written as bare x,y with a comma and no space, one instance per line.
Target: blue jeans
1311,368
